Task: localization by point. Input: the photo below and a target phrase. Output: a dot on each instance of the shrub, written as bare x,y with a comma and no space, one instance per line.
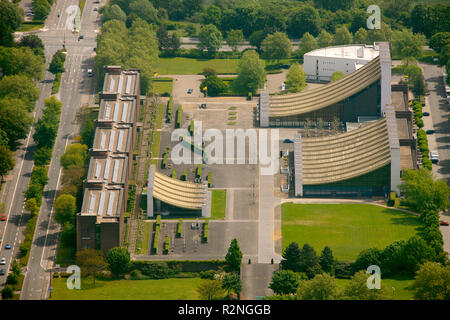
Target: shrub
167,245
179,114
199,171
209,179
43,156
158,220
74,156
180,228
205,231
207,274
156,239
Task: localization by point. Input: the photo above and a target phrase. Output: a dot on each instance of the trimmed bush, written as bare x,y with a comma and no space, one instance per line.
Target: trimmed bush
179,114
167,245
180,228
209,179
156,239
158,220
205,231
174,174
199,171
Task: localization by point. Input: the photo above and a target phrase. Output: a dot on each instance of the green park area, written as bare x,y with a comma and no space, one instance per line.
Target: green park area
195,66
218,204
346,228
164,289
162,86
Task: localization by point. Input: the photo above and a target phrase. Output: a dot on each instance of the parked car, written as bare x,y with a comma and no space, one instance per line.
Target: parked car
203,106
2,261
2,272
189,91
430,131
95,9
286,66
443,223
8,246
29,14
193,225
426,114
288,141
3,218
434,157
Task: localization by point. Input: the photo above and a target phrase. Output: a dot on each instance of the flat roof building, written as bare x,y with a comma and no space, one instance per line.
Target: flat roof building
100,222
320,64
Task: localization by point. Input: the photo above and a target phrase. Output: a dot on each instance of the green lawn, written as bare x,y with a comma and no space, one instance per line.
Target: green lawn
165,289
346,228
401,285
218,204
31,26
179,65
162,86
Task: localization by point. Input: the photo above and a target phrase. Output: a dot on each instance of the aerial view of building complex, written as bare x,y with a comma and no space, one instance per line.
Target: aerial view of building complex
226,150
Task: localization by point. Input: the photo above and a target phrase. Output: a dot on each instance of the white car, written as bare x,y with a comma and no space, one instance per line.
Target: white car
2,261
434,157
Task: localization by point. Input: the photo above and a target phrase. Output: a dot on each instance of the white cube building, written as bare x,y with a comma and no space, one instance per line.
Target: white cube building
320,64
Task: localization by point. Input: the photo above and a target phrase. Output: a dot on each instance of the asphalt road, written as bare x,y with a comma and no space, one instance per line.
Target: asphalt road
76,89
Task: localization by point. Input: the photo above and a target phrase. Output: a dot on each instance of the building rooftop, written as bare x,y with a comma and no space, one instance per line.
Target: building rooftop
115,139
110,170
103,203
357,51
117,111
123,83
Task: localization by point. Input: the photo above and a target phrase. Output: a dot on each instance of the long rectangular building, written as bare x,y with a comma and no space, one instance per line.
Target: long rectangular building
100,222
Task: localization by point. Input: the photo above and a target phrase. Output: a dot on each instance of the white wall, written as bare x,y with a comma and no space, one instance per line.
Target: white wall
328,65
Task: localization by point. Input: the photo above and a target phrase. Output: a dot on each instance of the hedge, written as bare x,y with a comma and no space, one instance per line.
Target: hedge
180,228
177,266
205,231
199,170
174,174
191,128
169,109
209,179
167,245
158,220
156,239
179,113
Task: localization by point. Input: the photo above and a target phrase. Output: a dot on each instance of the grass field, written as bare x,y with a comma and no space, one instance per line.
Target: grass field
194,66
31,26
401,287
346,228
165,289
218,204
161,86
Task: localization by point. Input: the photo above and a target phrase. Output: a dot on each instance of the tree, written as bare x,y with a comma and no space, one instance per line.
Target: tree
210,38
114,12
210,290
407,44
307,43
234,38
11,14
291,258
31,205
65,207
42,156
6,161
357,289
366,258
212,15
90,261
74,156
439,41
118,260
88,133
163,37
324,39
21,60
174,42
422,191
251,73
144,9
20,87
45,132
309,261
57,64
360,36
284,282
12,279
41,9
303,19
7,292
234,257
191,30
33,42
256,39
215,86
342,36
276,46
416,252
15,122
337,75
431,282
392,258
209,72
296,78
334,5
326,260
232,282
321,287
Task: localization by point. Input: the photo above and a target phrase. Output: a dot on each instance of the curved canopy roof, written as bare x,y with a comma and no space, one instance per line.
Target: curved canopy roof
179,193
324,96
346,155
